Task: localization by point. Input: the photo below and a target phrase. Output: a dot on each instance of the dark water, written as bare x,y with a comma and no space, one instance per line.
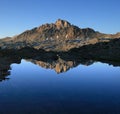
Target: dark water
31,89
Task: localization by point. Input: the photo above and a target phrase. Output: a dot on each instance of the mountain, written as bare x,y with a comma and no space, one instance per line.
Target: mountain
60,30
58,36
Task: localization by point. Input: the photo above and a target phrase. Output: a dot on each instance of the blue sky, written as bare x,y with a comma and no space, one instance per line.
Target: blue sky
17,16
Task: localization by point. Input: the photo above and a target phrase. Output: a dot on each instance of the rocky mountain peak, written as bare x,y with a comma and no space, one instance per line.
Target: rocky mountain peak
58,36
62,24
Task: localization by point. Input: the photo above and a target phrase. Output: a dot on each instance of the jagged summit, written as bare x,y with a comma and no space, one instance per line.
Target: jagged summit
62,24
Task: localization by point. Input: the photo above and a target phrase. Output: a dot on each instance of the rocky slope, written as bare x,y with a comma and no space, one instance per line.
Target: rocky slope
58,36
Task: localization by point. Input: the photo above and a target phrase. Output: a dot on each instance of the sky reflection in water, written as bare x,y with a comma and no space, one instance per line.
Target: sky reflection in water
32,89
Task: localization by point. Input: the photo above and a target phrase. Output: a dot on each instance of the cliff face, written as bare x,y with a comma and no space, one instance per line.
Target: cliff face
58,36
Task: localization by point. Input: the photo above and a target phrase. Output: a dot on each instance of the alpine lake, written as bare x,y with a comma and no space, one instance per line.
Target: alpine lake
33,85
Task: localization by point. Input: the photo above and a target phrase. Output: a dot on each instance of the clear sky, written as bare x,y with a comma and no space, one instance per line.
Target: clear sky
17,16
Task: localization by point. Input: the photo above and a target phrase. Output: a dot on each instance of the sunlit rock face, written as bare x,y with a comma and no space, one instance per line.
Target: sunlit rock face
58,36
62,24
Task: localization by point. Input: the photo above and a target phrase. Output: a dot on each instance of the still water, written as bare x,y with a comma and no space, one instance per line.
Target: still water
84,89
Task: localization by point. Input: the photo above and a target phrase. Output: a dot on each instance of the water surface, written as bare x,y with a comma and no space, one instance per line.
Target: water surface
32,89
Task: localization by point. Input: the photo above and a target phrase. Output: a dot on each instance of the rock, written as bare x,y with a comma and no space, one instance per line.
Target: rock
62,24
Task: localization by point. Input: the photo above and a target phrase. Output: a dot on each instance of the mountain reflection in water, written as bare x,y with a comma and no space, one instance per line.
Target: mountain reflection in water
60,62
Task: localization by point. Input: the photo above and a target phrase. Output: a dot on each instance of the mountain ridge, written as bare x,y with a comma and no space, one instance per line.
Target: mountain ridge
58,36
